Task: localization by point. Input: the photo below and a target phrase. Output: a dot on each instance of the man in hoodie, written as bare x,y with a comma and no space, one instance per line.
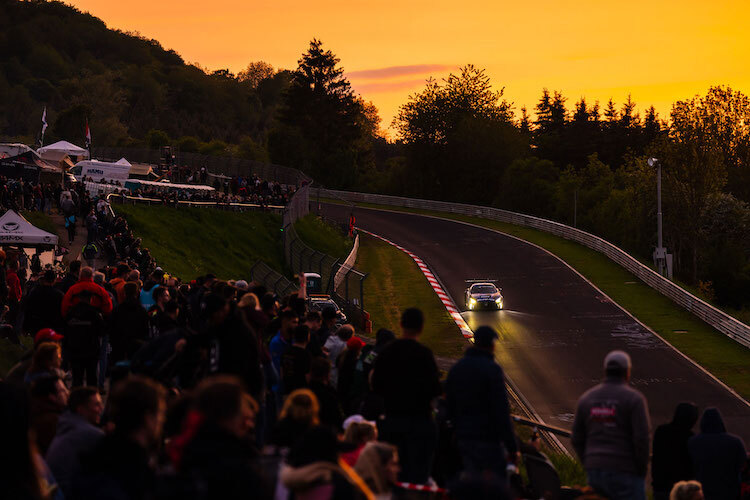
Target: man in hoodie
42,305
77,435
478,407
670,458
718,458
611,433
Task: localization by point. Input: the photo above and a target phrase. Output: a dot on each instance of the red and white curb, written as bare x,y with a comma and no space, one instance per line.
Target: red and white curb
421,487
444,298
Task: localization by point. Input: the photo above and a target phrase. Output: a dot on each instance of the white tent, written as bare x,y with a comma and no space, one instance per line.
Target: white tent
15,230
59,149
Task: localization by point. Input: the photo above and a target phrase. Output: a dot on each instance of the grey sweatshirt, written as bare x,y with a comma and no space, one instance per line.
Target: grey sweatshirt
611,428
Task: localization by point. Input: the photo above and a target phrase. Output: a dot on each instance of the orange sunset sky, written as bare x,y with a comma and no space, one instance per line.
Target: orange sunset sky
658,51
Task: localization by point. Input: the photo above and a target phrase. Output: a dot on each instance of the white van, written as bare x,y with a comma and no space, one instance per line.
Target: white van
97,171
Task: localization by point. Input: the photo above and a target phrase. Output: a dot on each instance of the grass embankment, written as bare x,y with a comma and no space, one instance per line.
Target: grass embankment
41,220
323,237
188,242
725,358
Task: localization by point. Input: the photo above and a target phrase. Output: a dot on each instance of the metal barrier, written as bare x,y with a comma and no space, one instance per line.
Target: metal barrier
298,206
723,322
271,279
211,204
220,164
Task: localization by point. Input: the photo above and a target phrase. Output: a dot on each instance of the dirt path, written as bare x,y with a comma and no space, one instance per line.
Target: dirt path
74,250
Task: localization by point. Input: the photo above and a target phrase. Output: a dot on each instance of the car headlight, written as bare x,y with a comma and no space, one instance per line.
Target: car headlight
499,301
472,302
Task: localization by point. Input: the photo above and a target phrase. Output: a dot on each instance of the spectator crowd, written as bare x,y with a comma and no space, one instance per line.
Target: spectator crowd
142,386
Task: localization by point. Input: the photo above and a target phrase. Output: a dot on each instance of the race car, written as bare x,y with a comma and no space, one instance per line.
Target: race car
483,295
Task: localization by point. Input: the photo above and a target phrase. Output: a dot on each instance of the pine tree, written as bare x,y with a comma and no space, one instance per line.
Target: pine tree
581,113
544,112
628,117
610,113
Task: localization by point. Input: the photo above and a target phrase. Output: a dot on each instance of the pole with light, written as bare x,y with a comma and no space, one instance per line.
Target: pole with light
660,254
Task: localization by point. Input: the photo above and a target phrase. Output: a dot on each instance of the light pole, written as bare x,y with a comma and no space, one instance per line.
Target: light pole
660,254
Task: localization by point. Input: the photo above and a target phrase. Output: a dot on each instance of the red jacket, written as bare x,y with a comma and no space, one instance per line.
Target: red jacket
14,286
100,299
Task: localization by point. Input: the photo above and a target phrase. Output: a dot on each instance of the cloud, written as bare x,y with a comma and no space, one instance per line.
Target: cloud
376,87
397,71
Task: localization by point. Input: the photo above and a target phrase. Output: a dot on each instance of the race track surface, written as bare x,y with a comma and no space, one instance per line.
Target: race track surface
556,328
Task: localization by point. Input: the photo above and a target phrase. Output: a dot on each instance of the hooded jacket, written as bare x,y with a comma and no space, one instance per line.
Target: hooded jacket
611,428
99,298
671,460
75,438
718,458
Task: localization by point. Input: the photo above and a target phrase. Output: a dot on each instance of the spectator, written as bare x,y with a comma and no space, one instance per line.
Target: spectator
372,403
129,325
161,321
334,347
71,278
299,414
407,378
611,433
478,407
42,306
315,470
314,322
89,292
331,413
670,458
296,361
357,433
718,457
77,435
347,364
84,329
49,396
220,461
283,338
686,490
118,282
47,360
120,466
379,468
21,468
329,318
14,284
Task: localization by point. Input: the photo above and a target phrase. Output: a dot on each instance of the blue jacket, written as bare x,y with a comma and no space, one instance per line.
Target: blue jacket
75,437
477,401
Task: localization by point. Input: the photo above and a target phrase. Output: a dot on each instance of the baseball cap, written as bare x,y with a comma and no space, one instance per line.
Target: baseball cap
617,359
355,343
485,336
241,284
47,335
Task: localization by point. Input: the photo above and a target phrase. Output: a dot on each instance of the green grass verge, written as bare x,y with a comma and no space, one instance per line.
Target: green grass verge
323,237
11,353
188,242
725,358
396,283
41,220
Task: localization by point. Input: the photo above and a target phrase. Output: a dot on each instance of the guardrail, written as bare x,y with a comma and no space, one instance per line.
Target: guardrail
723,322
187,203
271,279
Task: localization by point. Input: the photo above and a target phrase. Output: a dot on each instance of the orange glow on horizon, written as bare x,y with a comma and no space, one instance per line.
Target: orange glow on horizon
659,52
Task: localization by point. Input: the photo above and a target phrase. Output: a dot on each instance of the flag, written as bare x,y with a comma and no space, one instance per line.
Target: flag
88,135
44,120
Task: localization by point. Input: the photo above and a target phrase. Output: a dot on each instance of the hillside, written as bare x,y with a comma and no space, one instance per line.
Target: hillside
126,85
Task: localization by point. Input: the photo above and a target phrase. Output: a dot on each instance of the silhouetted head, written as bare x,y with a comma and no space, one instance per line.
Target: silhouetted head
685,415
711,422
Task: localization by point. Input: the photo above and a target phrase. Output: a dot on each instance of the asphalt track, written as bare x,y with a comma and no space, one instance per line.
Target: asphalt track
556,328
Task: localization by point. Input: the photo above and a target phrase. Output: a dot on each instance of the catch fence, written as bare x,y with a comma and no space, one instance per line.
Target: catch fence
340,279
273,280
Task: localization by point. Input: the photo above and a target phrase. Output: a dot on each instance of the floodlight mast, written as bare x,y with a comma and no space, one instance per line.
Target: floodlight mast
660,254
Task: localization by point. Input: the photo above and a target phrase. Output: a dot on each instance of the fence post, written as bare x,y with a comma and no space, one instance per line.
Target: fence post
362,291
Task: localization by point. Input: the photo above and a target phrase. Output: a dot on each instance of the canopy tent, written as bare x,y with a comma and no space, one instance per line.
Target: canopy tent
17,231
59,149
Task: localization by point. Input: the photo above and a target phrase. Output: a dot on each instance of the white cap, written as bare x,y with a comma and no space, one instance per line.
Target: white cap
241,284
